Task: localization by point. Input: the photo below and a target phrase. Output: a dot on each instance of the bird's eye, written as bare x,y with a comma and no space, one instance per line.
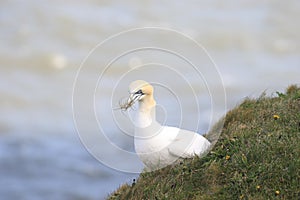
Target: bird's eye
139,92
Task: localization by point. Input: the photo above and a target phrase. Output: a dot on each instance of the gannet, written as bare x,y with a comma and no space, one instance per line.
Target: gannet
158,146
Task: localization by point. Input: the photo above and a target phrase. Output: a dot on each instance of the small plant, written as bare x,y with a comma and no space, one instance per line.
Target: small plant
281,95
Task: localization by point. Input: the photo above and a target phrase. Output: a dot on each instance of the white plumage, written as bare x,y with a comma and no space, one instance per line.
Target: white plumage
157,145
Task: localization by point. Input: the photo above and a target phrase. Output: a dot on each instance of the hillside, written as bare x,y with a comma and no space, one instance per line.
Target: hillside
256,157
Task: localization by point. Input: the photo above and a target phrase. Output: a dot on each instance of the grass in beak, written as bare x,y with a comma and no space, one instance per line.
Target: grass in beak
126,104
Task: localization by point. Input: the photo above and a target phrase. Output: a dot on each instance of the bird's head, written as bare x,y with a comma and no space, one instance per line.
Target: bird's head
140,91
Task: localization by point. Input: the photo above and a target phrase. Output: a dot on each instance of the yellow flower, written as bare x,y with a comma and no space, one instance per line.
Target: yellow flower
227,157
258,187
277,192
276,117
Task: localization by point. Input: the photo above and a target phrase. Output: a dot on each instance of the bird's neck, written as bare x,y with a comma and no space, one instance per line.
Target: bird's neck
146,113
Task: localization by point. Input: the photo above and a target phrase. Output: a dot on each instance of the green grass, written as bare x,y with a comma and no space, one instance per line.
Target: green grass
256,157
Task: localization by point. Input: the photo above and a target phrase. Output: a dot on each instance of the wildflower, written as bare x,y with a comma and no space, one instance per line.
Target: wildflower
227,157
277,192
258,187
242,196
276,117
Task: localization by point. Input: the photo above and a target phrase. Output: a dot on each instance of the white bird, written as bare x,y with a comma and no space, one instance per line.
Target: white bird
158,146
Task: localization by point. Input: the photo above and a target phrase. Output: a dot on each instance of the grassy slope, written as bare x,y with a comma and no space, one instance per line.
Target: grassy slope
256,157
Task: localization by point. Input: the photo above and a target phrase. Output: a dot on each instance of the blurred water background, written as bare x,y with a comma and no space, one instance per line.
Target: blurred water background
256,45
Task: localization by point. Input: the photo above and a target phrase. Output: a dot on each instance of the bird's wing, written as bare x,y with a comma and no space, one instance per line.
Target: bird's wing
187,144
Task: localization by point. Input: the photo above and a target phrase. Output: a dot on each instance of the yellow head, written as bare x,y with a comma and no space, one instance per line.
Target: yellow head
142,92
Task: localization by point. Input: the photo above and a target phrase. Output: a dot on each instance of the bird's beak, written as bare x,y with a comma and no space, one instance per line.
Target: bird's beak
134,97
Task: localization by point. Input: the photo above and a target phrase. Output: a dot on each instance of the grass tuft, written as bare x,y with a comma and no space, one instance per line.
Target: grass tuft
257,156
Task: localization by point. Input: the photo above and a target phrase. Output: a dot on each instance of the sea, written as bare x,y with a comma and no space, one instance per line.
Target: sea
65,67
